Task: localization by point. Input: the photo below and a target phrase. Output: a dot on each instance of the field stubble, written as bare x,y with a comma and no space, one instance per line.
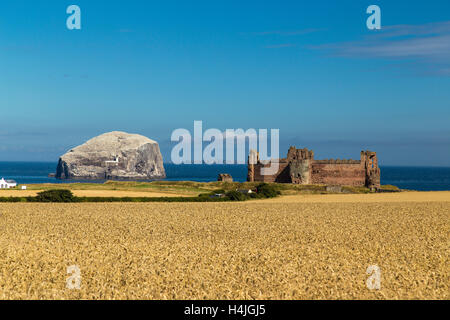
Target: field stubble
252,250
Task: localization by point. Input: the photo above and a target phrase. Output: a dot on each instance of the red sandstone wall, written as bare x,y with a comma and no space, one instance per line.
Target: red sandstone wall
338,174
328,172
282,176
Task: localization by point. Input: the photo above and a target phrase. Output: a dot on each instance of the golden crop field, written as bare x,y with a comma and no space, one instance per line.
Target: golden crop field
95,193
271,249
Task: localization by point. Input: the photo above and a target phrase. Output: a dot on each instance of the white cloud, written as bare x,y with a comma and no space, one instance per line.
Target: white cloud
427,45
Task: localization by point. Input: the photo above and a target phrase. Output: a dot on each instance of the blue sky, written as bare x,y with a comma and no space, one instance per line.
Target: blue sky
311,69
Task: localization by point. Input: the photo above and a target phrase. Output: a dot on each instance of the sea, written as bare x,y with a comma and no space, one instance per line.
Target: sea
410,178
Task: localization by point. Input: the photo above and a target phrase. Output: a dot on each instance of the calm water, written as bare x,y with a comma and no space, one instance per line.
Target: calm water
413,178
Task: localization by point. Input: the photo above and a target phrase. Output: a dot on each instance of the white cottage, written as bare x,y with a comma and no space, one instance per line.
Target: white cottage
7,184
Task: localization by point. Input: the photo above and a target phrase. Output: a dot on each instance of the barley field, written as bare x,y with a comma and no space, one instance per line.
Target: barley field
293,247
95,193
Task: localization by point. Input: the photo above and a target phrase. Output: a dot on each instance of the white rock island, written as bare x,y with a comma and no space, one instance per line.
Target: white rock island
113,156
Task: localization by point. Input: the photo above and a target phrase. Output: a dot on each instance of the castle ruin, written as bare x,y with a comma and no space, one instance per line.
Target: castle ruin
300,167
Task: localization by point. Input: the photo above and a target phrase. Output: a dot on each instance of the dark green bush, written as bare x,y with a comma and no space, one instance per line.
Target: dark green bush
254,195
12,199
55,196
236,196
267,191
